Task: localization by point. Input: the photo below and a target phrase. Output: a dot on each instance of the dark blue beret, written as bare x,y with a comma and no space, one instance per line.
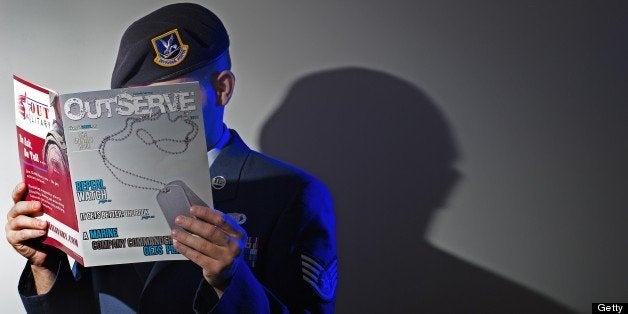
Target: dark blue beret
167,43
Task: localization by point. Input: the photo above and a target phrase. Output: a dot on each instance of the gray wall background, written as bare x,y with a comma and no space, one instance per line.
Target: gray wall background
533,94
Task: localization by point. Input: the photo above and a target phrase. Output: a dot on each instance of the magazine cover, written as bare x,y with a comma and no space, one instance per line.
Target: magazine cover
113,168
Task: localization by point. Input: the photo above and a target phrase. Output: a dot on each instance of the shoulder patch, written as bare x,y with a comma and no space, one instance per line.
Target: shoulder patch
322,279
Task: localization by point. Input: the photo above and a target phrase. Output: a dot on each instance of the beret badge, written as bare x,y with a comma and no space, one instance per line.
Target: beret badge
169,49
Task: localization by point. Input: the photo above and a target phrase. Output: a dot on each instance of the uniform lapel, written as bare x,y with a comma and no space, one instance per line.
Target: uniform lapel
170,283
228,167
157,268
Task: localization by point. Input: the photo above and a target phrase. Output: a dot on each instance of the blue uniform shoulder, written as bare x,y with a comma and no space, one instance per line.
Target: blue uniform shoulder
269,164
309,190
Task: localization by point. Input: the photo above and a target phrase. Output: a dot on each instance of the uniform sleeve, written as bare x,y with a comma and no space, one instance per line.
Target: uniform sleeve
67,295
299,269
314,257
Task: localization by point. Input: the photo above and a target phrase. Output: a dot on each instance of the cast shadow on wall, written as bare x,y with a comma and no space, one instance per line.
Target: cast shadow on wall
387,154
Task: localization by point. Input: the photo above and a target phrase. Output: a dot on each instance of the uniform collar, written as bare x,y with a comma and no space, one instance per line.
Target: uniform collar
215,151
228,165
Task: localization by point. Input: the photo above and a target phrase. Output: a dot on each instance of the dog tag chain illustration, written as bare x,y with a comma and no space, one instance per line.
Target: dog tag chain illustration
175,197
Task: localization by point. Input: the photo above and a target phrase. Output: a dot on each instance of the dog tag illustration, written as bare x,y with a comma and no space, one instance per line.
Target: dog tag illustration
192,197
173,202
176,199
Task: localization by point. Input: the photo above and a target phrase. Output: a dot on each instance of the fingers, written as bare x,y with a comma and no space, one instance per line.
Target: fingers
214,271
24,208
18,193
198,244
15,237
206,235
213,241
25,222
218,218
197,257
203,229
23,228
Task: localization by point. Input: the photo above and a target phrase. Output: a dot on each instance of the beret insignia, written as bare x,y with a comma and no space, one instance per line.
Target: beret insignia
169,49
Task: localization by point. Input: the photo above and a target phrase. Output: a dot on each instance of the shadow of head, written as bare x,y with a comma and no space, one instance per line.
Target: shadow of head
387,154
380,144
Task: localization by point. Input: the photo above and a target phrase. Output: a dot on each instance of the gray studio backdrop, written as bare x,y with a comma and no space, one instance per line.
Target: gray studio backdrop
476,151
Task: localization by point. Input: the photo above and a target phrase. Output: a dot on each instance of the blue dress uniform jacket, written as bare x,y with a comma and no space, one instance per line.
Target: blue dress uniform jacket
290,258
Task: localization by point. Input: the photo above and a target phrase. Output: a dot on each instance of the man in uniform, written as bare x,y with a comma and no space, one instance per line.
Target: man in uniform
269,246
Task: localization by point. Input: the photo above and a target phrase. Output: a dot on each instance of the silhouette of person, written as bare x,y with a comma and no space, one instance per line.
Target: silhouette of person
387,154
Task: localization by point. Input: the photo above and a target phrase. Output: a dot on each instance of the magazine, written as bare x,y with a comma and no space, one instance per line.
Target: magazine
113,168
